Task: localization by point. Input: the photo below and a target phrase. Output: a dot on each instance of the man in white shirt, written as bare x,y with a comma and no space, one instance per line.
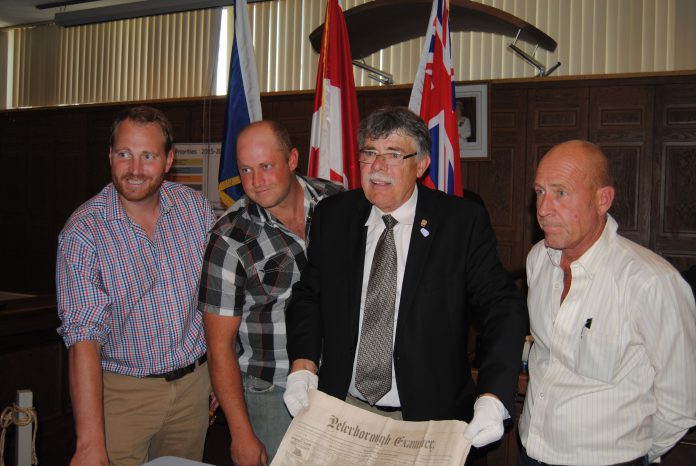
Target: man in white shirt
612,369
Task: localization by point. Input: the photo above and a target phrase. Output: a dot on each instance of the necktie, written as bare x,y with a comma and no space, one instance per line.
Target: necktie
373,376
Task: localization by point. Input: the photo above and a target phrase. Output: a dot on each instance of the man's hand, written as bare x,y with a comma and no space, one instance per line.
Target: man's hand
248,452
487,425
297,390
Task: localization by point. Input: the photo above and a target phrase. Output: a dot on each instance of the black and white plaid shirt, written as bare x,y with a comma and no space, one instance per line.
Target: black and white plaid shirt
251,262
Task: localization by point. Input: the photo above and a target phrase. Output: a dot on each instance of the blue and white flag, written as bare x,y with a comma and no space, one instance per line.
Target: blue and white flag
243,104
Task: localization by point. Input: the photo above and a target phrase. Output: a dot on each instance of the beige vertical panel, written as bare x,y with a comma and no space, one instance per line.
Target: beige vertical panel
572,13
75,63
648,35
192,56
259,28
133,64
612,51
310,17
275,51
19,71
209,40
636,37
62,52
623,26
139,64
6,82
174,44
294,37
673,38
230,37
188,59
599,35
88,69
660,45
685,19
164,87
284,40
176,37
272,46
586,34
475,54
153,46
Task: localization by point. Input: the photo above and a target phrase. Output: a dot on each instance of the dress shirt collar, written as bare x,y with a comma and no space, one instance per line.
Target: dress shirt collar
405,214
592,258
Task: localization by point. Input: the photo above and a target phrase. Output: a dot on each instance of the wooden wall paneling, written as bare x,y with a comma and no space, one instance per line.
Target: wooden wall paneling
621,123
501,181
294,111
209,120
556,113
13,192
96,155
674,177
372,99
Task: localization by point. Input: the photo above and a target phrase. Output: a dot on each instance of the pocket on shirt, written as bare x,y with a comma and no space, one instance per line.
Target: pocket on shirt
598,356
276,273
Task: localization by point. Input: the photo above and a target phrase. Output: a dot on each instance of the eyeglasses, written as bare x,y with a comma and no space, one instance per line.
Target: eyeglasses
368,157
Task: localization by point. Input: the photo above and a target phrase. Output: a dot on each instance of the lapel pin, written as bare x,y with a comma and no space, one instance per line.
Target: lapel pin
424,232
424,223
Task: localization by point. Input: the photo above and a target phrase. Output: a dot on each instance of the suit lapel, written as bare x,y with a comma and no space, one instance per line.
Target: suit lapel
357,236
425,226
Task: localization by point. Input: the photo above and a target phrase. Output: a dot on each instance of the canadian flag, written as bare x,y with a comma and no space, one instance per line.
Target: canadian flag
432,97
334,152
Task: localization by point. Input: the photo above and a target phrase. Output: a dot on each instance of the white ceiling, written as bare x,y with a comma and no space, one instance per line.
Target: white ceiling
17,12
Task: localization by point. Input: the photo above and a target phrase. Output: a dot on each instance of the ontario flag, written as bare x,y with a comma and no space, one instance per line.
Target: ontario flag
334,152
243,104
432,98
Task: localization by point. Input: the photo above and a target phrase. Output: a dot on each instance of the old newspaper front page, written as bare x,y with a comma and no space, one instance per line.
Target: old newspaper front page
332,432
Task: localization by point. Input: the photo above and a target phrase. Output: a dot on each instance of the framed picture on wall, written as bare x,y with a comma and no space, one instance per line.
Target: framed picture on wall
472,116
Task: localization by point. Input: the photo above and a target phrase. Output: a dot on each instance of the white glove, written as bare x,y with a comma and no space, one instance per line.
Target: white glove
487,425
297,390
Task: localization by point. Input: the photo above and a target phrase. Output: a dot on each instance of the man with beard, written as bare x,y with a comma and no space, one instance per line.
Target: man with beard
127,271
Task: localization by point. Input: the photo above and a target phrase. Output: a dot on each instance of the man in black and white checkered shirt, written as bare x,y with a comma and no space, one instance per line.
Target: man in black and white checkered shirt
255,254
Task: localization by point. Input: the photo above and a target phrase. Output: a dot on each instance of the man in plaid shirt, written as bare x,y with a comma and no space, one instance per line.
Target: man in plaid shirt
127,271
255,254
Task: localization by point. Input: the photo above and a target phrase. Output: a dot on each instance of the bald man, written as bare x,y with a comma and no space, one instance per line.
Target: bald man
612,372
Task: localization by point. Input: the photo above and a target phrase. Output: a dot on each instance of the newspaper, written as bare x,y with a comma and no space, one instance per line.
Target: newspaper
332,432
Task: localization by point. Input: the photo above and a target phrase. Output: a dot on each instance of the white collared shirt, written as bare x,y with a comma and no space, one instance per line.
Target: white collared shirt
612,371
405,215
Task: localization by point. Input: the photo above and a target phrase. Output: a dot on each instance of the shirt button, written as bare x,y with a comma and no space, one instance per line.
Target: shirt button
541,395
556,285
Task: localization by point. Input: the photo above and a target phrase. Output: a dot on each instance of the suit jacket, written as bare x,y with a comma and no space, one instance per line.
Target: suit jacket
450,274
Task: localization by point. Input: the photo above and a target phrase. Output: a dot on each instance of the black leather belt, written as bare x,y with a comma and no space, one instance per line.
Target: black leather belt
182,371
386,409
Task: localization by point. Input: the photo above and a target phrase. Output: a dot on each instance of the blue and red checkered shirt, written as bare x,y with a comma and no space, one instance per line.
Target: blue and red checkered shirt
134,295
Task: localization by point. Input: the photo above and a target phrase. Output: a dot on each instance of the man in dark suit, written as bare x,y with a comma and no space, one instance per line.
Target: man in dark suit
446,267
